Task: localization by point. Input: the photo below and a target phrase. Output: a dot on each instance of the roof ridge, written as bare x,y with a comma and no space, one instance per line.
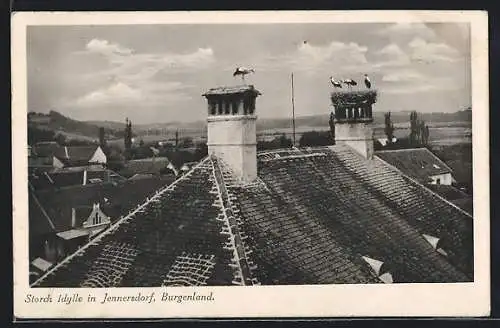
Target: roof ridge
115,225
229,216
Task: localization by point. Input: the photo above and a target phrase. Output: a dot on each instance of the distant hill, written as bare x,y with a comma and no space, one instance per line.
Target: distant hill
71,128
90,129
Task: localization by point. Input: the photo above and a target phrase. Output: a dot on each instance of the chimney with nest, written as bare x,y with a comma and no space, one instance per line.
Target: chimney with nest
354,119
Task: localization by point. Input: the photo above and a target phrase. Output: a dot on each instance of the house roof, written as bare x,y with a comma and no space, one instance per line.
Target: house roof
311,217
115,199
448,192
418,163
145,166
73,233
72,176
76,154
46,149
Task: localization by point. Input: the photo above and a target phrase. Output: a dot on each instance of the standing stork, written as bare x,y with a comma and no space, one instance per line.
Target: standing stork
335,83
350,82
368,83
242,71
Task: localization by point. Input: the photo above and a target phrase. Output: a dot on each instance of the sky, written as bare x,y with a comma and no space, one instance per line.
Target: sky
158,73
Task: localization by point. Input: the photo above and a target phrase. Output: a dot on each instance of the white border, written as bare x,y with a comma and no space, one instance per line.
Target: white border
463,299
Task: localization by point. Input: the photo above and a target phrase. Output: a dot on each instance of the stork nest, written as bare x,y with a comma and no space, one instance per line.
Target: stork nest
354,97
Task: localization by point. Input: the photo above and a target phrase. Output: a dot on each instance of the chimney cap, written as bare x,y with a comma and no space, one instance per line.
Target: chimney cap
238,89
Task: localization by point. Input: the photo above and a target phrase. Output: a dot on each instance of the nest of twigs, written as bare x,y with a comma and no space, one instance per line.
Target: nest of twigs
354,97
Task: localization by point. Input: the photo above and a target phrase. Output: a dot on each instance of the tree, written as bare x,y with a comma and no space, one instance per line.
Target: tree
186,142
315,138
331,122
60,139
102,137
413,128
419,132
389,127
128,135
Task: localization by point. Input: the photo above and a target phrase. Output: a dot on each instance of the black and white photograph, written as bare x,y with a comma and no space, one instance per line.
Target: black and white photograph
249,154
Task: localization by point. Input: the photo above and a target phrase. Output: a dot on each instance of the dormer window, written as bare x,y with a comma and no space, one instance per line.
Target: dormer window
378,268
434,241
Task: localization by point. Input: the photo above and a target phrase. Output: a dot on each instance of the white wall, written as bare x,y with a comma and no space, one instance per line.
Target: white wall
98,157
233,139
358,136
444,179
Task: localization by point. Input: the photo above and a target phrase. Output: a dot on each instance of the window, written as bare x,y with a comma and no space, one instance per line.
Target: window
212,107
251,108
438,181
96,220
235,106
219,104
245,106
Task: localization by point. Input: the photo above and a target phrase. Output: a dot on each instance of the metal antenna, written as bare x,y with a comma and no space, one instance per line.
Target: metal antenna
293,114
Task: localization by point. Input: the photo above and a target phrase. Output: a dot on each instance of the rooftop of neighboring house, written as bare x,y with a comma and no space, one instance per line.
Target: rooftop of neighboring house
314,216
45,148
454,195
152,165
76,154
72,176
417,163
50,210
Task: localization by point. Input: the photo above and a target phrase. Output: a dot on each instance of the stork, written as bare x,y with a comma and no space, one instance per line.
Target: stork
368,83
243,71
336,84
350,82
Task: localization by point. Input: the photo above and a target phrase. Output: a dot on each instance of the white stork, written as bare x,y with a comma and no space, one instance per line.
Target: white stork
368,83
242,71
350,82
335,83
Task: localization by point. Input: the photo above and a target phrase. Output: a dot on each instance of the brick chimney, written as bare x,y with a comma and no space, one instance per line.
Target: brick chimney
232,128
354,119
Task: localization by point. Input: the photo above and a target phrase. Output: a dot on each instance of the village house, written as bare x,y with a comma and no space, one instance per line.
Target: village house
62,220
420,164
319,215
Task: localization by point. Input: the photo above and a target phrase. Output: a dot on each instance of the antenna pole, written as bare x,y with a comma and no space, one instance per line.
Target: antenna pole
293,114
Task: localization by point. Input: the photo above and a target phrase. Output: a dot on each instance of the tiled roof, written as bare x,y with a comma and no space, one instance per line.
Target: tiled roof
76,154
46,149
72,177
231,90
418,163
141,249
313,216
145,166
448,192
115,199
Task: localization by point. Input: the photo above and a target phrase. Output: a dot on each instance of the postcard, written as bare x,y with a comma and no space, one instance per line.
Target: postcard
250,164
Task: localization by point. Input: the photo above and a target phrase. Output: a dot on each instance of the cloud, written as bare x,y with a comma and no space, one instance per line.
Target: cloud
412,81
115,93
391,55
129,79
337,56
404,30
107,48
407,75
428,51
